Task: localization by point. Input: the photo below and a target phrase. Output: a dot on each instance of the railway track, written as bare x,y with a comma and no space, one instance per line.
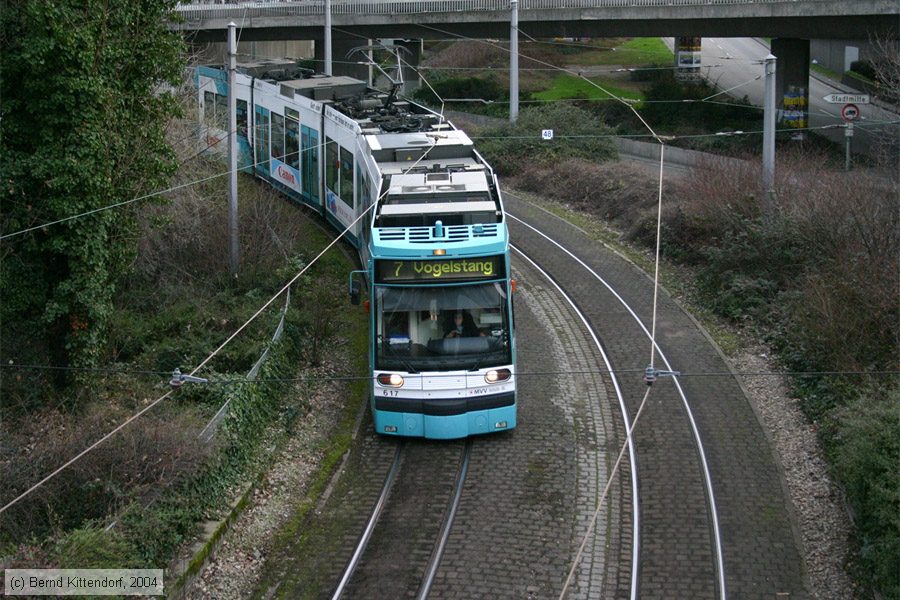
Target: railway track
385,564
522,502
632,470
677,512
713,520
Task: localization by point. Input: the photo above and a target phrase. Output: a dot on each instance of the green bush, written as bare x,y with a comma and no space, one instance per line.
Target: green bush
157,530
688,108
511,148
814,268
138,460
865,455
484,88
740,272
864,68
690,111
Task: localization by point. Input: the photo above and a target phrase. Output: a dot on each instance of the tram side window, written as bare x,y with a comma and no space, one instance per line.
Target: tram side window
242,118
331,165
347,177
222,112
292,143
209,109
215,112
362,184
277,136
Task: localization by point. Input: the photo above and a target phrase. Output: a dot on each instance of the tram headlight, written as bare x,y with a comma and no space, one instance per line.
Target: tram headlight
390,380
497,375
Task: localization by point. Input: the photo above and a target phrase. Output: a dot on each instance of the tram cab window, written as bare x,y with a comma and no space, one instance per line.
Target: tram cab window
414,326
396,327
459,323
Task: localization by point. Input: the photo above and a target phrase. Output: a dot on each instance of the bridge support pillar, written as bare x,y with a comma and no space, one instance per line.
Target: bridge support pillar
792,83
351,66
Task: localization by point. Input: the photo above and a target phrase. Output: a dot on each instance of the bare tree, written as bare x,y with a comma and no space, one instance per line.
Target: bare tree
886,64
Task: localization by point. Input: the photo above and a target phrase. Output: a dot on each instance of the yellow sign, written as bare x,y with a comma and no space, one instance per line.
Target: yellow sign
488,267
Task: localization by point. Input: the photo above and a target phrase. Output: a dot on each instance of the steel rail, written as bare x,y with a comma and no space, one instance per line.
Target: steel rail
435,561
370,525
635,505
378,509
720,567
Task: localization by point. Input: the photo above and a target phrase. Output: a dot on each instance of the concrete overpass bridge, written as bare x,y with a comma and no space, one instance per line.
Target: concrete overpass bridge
304,19
791,24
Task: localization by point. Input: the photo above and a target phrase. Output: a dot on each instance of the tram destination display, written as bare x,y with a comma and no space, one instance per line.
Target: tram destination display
439,271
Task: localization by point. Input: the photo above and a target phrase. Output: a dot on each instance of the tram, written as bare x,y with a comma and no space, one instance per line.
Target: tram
424,211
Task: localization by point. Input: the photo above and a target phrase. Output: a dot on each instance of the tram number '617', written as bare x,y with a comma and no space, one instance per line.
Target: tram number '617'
393,393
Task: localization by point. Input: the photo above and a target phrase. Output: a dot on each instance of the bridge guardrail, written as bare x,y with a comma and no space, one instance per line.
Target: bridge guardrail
206,10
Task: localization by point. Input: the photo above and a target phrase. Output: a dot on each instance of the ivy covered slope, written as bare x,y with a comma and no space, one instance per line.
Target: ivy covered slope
83,117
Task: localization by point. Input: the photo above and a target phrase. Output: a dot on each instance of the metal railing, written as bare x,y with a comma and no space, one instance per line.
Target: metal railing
291,8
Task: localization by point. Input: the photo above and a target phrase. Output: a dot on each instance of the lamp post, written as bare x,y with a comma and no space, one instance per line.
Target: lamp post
514,61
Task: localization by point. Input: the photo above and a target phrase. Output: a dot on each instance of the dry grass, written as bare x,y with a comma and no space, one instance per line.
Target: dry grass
134,463
618,192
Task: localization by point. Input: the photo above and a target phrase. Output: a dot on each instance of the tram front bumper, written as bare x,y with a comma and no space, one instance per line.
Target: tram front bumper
445,418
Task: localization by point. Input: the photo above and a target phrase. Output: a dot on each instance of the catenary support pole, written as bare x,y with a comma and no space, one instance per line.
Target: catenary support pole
328,37
234,257
371,56
768,167
514,61
848,135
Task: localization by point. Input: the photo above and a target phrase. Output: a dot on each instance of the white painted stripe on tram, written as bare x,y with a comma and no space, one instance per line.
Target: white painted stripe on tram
635,509
720,566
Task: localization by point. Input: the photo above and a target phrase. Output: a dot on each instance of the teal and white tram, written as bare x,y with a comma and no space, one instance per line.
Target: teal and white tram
423,209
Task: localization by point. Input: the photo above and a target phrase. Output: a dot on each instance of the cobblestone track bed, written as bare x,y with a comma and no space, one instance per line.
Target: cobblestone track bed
394,562
677,560
589,403
675,530
530,493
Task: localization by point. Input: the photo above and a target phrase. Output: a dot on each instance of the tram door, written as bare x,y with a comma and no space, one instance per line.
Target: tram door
261,148
245,153
310,161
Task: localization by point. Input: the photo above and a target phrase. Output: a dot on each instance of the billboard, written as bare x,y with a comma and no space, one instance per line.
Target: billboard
688,58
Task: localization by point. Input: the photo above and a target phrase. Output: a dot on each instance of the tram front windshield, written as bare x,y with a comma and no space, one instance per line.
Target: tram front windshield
438,328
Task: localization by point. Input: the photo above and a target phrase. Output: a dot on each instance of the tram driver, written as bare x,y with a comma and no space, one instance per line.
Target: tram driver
462,326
